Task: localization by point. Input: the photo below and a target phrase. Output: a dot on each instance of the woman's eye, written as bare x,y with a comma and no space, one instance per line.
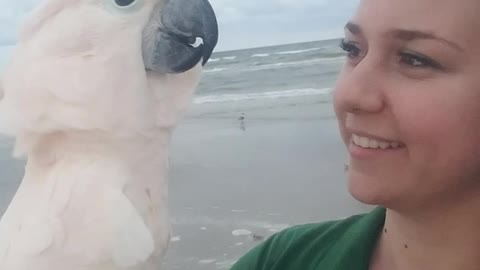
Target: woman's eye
124,3
352,49
418,61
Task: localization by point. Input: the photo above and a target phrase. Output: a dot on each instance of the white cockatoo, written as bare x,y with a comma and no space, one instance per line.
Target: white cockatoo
92,93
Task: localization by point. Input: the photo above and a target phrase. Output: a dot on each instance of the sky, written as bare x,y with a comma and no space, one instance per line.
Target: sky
242,23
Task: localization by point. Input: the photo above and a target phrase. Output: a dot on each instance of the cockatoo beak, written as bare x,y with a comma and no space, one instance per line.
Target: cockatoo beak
179,35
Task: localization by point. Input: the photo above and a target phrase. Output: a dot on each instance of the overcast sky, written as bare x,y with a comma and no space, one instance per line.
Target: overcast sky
243,23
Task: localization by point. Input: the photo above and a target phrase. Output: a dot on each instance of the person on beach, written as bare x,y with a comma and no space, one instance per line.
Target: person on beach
408,106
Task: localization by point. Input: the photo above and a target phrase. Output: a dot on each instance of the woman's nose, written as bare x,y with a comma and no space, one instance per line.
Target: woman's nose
360,88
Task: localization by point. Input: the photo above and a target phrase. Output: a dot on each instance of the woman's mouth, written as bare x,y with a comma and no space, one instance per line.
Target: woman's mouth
372,143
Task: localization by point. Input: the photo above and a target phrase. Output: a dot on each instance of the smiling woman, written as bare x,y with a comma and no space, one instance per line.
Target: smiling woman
408,108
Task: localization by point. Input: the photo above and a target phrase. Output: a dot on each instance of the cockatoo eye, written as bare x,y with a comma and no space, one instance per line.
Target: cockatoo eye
124,3
123,6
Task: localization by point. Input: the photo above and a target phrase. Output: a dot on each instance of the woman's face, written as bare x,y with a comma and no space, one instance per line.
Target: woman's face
408,102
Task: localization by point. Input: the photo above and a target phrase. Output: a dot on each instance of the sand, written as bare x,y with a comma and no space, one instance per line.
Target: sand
232,187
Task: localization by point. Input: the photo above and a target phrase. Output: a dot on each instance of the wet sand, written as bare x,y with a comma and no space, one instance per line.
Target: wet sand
234,184
285,167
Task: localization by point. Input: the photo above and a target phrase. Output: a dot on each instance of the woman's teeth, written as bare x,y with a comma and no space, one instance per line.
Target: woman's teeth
370,143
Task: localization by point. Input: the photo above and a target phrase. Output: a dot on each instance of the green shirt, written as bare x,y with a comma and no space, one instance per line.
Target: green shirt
336,245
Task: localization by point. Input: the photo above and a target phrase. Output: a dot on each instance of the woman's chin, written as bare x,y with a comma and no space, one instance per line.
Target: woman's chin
369,189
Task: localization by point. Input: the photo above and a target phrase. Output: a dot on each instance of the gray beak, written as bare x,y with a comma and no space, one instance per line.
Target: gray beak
180,34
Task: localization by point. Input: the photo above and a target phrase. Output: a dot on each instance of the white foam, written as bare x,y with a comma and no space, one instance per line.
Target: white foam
176,238
298,51
226,264
299,63
213,60
207,261
225,223
229,58
214,70
264,95
261,55
330,60
241,232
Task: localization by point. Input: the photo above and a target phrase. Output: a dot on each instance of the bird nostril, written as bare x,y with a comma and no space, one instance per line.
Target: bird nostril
197,42
192,41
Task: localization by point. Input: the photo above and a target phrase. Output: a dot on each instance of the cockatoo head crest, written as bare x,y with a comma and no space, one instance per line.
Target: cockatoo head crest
118,66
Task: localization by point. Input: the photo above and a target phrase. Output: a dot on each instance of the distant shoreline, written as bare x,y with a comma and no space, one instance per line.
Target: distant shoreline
277,45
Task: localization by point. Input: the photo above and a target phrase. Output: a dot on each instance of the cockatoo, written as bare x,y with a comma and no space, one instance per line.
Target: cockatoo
92,94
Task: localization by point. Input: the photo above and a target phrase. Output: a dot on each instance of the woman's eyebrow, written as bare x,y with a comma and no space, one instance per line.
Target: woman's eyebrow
409,35
354,28
406,35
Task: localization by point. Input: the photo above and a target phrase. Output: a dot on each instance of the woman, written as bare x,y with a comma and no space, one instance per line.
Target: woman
408,107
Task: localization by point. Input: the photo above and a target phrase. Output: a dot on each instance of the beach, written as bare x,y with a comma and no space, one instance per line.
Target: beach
286,167
234,183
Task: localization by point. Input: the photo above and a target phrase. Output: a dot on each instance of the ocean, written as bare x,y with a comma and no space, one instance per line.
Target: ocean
271,72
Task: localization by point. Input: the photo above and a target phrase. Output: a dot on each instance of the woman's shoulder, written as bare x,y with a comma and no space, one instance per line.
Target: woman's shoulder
309,245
